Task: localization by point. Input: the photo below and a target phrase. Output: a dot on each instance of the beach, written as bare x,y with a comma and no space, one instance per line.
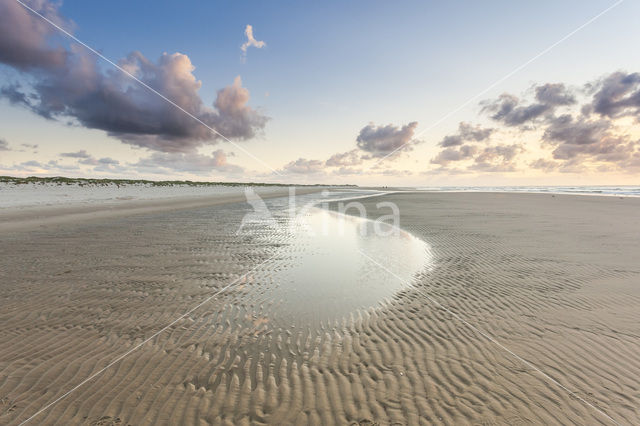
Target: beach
160,312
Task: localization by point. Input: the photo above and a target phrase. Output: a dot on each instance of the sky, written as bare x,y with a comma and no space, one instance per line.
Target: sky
369,93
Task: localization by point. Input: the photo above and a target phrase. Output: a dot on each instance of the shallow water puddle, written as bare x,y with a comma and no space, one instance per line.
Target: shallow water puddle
325,275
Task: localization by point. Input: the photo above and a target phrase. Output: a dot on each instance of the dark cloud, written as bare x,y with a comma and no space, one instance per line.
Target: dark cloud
14,94
186,162
78,154
609,149
466,132
453,154
554,94
591,140
508,110
108,160
583,138
616,94
344,159
303,166
565,129
70,84
4,145
380,141
496,158
25,40
503,152
463,146
451,140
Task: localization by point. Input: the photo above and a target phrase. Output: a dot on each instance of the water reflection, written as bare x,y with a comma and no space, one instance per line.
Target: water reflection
326,276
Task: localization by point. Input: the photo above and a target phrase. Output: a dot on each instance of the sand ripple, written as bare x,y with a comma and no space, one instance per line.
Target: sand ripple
530,270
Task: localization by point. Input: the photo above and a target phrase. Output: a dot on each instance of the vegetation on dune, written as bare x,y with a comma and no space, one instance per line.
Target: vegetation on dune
61,180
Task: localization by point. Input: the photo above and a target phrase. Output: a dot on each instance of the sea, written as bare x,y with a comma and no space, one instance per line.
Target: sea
606,190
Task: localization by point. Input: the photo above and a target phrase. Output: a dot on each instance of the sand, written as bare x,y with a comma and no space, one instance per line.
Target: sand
530,314
99,203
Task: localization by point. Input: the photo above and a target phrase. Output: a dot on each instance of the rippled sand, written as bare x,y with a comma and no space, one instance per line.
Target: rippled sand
552,279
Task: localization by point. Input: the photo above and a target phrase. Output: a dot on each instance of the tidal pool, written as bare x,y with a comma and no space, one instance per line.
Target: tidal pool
336,264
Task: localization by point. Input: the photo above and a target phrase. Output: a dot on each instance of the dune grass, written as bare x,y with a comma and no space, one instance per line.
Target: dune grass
61,180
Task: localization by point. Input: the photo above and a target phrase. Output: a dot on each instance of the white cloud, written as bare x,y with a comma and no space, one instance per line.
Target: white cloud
251,41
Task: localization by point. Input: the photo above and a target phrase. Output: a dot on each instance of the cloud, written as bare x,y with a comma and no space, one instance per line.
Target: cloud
344,159
54,165
304,166
462,146
466,132
347,171
554,94
32,166
565,129
451,154
14,95
78,154
108,160
591,140
31,163
68,83
545,165
4,145
25,39
617,94
108,167
91,161
187,162
161,163
395,172
104,164
508,110
577,137
380,141
235,117
498,158
251,41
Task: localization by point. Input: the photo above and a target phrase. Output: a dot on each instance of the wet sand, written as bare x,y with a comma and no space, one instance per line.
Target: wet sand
554,280
30,217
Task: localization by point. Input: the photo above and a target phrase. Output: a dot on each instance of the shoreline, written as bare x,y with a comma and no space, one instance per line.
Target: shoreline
485,191
33,217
